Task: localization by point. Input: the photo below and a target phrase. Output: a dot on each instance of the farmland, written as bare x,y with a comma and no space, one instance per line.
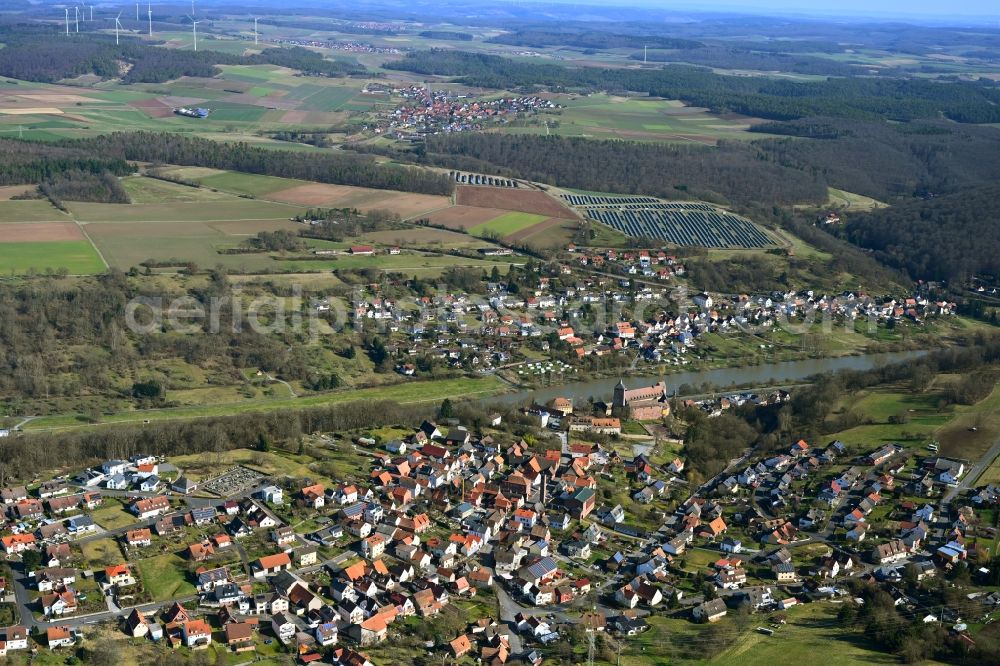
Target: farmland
603,116
525,201
77,257
507,224
406,205
169,223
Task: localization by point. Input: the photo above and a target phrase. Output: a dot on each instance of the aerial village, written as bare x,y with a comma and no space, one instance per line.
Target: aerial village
495,538
434,111
551,319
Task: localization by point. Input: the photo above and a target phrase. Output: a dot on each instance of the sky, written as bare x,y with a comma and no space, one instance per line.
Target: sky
900,9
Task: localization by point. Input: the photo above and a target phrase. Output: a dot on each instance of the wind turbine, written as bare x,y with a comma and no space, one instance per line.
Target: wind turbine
76,14
137,12
67,21
194,29
149,14
91,12
118,25
255,30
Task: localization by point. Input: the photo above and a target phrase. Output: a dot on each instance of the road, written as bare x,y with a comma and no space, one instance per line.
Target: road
973,474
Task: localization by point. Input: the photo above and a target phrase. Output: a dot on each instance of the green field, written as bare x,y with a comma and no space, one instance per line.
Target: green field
77,257
506,224
142,190
329,99
164,577
844,200
247,183
128,245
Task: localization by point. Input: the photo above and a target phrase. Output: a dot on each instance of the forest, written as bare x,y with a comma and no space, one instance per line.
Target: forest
28,162
889,162
25,162
446,34
30,54
749,58
774,99
730,173
590,39
951,238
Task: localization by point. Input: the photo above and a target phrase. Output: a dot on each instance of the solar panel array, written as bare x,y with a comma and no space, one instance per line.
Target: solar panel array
679,223
597,200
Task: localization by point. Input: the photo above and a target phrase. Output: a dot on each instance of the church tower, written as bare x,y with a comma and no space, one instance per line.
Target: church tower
618,406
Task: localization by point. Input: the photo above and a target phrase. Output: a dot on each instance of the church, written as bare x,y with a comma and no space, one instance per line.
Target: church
642,404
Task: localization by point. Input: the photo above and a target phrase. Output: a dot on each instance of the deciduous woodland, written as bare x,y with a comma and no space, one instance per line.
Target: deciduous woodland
30,162
949,238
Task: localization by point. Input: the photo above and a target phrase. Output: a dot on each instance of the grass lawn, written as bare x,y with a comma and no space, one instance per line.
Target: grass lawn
98,552
506,224
78,257
112,516
164,577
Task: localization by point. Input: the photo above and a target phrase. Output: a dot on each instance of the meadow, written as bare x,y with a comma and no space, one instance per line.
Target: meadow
507,224
914,419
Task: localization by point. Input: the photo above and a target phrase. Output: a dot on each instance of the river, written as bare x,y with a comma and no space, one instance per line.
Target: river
769,374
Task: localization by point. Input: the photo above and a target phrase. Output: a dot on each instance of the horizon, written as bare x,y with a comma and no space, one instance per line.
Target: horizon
918,11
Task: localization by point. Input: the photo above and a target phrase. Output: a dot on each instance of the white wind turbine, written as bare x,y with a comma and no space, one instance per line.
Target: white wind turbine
149,15
76,14
118,26
194,29
67,21
255,33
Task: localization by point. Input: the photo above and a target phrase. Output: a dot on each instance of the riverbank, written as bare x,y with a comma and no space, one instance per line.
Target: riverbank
491,389
719,379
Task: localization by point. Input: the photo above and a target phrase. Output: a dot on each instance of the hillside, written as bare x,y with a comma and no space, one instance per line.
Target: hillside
946,238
